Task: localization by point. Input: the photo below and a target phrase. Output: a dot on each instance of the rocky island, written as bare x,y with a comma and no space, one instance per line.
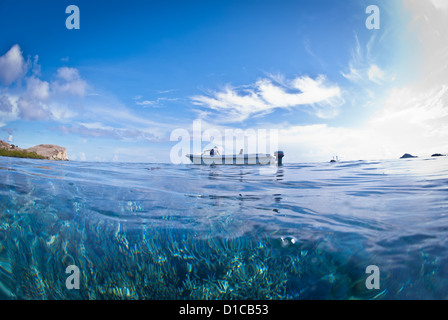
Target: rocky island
407,156
42,151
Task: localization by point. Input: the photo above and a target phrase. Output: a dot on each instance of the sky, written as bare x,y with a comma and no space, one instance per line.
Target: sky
122,85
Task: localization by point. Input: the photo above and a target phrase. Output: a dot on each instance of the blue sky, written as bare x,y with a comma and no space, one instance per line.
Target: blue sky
135,71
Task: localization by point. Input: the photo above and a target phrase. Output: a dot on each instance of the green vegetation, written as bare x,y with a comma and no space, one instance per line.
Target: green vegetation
20,154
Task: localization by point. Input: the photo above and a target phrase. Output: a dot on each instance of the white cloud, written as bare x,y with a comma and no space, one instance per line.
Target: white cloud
77,156
440,4
408,123
309,91
354,75
134,154
236,105
413,117
417,113
320,142
362,67
97,130
36,67
5,104
33,110
12,66
415,121
68,74
37,89
70,82
375,74
145,103
32,104
117,123
37,99
166,91
157,103
61,112
356,64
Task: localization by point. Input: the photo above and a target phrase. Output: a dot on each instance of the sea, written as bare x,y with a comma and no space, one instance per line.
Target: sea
144,231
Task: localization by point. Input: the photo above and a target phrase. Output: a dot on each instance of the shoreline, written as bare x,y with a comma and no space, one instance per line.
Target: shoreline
41,152
20,154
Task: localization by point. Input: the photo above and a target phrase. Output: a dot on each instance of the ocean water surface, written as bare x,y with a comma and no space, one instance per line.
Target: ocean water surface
162,231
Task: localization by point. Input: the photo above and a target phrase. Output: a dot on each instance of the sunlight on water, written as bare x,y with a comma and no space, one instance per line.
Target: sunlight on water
159,231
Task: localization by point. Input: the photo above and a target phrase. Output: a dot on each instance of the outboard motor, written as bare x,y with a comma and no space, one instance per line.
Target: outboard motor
279,155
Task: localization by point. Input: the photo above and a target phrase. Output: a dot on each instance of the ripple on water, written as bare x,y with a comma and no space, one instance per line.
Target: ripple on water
302,231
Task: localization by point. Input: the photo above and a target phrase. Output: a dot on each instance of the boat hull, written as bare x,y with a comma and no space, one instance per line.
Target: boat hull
243,159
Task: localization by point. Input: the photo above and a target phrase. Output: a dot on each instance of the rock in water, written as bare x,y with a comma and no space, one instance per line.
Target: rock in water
407,155
50,151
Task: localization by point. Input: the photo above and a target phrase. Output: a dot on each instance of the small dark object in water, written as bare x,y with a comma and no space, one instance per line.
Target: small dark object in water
407,155
279,155
154,168
438,155
334,160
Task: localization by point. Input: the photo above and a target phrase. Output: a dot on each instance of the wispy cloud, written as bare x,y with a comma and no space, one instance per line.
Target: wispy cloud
413,116
100,130
375,74
440,4
309,50
166,91
157,103
409,123
67,100
362,67
238,104
117,122
145,103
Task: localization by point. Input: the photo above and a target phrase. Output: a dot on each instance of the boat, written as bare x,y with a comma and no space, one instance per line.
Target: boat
334,159
205,158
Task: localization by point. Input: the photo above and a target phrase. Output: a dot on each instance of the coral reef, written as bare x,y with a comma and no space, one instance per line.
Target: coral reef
117,262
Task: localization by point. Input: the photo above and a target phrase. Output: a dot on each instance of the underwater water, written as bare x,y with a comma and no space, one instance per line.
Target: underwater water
162,231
